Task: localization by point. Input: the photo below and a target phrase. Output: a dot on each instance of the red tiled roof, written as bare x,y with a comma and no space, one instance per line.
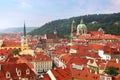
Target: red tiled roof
96,47
12,59
77,61
9,43
102,66
65,74
24,60
97,36
6,53
22,67
116,78
1,76
52,36
65,58
93,33
69,73
85,74
41,57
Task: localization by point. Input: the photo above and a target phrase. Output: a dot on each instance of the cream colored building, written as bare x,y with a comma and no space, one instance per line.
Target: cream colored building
42,63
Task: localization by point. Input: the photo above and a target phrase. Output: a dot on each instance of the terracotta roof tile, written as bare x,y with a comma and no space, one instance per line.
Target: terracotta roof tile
22,67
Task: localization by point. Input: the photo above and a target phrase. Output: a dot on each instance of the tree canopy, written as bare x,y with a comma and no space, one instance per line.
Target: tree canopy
109,22
15,52
111,71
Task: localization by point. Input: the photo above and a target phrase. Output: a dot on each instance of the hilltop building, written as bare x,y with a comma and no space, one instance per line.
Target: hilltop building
78,29
79,33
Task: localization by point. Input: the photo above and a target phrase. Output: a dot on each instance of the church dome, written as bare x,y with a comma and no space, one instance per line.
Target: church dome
80,26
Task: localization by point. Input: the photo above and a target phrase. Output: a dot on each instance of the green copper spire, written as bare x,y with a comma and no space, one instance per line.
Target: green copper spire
24,31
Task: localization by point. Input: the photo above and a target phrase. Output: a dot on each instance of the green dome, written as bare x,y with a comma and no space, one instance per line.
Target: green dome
81,26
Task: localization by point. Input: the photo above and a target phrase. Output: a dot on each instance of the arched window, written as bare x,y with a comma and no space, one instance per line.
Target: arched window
18,73
27,71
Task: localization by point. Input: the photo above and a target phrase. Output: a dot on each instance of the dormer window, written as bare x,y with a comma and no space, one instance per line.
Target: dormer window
18,73
7,74
27,71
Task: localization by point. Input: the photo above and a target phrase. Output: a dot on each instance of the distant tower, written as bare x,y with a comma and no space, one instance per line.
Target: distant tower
24,43
55,32
73,28
81,28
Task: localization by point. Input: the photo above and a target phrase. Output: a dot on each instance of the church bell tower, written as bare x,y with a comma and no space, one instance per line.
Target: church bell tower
73,29
24,43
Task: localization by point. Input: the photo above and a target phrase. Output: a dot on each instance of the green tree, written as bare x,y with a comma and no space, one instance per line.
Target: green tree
111,71
15,52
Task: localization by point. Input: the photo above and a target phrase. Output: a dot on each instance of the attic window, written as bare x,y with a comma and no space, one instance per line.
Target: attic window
18,73
27,71
7,74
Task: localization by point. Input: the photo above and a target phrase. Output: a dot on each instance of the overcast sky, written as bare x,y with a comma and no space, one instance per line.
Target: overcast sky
13,13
